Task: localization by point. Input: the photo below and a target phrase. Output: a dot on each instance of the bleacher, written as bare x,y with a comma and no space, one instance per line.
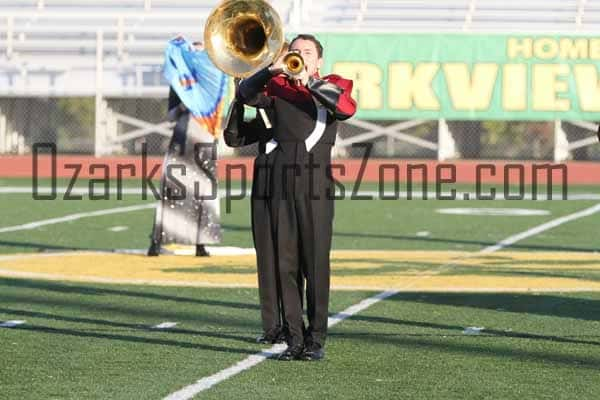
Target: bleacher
128,25
52,43
386,15
454,15
112,50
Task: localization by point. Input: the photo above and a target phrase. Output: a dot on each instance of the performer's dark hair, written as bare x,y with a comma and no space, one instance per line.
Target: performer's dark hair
306,36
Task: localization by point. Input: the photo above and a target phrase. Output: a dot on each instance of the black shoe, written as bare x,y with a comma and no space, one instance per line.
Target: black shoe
272,336
282,336
292,353
154,249
313,352
267,338
201,251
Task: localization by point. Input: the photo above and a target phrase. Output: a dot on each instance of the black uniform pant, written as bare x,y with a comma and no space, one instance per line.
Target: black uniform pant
269,287
302,216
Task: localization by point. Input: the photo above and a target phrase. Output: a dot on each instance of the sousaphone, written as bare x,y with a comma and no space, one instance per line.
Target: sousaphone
243,36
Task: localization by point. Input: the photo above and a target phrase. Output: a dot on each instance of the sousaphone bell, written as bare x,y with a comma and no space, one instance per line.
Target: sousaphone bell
242,37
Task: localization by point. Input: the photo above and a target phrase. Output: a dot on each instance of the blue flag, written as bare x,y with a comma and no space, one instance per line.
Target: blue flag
198,83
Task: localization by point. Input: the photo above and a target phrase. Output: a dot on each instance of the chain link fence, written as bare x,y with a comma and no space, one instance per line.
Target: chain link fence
67,122
587,153
514,140
70,124
151,111
387,146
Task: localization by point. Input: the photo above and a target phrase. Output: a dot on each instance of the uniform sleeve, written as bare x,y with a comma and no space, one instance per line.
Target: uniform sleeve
335,93
238,133
252,90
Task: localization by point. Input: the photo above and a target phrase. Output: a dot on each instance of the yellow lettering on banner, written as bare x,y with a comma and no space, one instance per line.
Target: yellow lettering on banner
471,91
547,84
595,49
408,86
588,88
573,48
545,48
520,47
367,79
514,87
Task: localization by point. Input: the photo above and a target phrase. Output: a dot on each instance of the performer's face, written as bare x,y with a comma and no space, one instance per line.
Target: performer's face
309,53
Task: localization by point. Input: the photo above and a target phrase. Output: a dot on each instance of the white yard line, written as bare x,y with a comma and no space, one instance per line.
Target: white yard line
11,324
253,360
205,383
74,217
165,325
541,228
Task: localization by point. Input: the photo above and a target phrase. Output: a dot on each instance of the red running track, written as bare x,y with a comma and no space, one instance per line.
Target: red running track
578,173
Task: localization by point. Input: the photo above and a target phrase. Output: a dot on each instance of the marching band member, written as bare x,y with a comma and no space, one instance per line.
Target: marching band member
305,109
239,133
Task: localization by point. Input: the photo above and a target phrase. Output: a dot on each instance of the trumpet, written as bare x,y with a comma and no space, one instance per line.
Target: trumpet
244,36
293,64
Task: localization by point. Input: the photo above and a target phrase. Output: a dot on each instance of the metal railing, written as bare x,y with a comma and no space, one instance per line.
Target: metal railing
113,49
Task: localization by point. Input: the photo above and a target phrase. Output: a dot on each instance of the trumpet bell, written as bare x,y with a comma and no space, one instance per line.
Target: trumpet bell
243,36
293,64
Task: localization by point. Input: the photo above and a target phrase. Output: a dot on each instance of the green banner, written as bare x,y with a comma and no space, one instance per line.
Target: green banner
469,76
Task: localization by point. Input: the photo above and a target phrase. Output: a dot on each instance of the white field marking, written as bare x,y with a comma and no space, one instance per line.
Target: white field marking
253,360
131,251
416,195
165,325
423,234
215,251
11,324
191,250
500,212
118,228
473,330
74,217
206,383
541,228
